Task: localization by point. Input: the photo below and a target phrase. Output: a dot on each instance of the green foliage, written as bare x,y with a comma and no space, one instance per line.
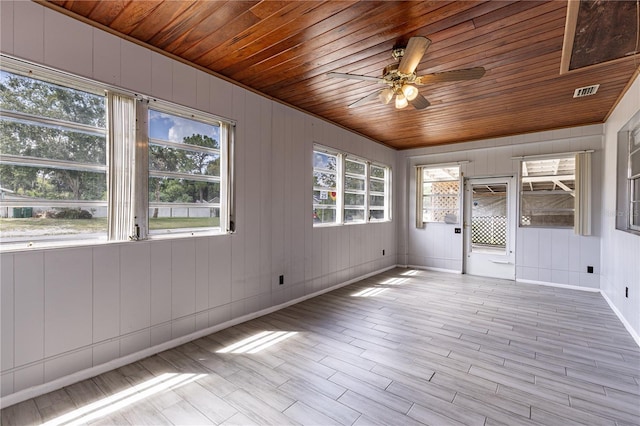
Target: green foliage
23,94
184,161
71,214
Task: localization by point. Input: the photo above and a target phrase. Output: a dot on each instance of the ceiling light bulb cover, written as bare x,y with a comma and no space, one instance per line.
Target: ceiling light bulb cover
410,92
385,96
401,101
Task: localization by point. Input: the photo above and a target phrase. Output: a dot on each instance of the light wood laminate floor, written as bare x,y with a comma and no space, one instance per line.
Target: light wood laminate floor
405,347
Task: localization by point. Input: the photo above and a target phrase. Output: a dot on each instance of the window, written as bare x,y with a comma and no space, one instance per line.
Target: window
634,179
348,189
438,194
547,196
325,187
53,180
74,164
378,192
184,173
355,190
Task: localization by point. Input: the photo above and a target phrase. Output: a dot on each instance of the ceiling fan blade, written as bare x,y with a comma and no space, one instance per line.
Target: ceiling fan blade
413,54
368,98
420,102
355,77
456,75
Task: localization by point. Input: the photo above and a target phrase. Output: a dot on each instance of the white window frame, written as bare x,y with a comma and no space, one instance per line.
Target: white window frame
420,181
145,141
341,175
633,179
138,221
561,186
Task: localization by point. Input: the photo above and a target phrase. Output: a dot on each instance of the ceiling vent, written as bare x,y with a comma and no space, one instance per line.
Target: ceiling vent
581,92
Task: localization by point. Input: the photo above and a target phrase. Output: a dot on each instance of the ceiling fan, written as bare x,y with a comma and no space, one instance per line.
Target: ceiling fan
402,80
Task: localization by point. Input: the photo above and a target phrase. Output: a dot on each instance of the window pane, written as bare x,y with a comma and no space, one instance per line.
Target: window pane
354,167
354,183
440,194
167,190
324,215
172,128
377,172
39,141
634,163
353,215
376,200
39,98
324,180
376,186
324,161
376,214
353,199
175,203
547,192
180,218
53,183
165,159
324,197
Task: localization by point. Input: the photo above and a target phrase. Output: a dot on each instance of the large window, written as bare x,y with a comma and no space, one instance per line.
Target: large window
184,173
438,194
75,165
348,189
634,179
355,190
547,196
53,180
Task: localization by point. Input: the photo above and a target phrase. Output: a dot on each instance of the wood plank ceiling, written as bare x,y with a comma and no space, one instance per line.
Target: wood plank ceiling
285,48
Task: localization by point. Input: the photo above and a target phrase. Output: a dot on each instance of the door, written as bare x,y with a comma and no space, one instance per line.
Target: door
489,227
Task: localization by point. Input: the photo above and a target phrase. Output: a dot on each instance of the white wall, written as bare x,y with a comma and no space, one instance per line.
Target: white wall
620,250
543,255
65,310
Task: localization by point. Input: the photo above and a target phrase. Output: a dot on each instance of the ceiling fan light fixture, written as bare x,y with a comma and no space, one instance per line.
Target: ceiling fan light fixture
409,91
401,101
385,96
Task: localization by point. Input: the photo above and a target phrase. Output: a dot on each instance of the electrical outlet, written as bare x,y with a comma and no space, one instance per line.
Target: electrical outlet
589,269
281,279
458,230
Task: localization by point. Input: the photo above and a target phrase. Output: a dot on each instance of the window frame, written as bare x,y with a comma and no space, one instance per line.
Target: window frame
420,181
633,180
225,130
71,83
139,200
341,175
521,192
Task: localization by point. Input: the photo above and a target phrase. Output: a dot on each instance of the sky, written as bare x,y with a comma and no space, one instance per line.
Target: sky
175,129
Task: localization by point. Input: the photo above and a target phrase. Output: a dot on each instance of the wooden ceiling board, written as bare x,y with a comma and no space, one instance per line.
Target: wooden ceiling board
284,49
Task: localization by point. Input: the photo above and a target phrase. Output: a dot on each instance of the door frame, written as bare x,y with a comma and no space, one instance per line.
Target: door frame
504,262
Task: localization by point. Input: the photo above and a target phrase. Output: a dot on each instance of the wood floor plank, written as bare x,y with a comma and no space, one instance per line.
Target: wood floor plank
433,348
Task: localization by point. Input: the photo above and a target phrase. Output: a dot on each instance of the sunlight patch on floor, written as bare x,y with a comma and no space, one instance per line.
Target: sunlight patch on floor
113,403
257,342
370,292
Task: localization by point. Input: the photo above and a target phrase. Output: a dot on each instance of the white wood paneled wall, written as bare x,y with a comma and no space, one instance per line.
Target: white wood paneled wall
544,255
65,310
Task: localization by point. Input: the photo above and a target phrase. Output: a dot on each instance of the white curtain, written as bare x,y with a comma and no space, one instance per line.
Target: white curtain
582,219
419,222
122,142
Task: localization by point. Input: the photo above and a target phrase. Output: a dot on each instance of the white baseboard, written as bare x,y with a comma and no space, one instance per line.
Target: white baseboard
626,324
78,376
430,268
550,284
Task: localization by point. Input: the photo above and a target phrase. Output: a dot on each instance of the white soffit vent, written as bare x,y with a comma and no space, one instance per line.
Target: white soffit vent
581,92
